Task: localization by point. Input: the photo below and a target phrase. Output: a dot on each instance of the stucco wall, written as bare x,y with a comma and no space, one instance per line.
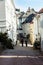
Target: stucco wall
8,18
2,16
11,19
2,10
41,30
31,28
26,28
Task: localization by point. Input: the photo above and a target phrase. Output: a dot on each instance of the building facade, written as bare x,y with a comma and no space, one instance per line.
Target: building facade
19,26
29,26
40,22
8,18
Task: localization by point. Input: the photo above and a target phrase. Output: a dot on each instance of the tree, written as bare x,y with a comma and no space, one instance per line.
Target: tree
5,41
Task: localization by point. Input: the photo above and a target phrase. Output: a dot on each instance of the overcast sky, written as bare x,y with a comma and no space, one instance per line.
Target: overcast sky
24,4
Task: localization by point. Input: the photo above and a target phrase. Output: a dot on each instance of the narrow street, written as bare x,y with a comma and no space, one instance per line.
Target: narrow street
21,21
21,56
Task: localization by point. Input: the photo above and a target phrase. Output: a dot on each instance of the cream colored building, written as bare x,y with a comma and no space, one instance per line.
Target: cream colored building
33,30
29,26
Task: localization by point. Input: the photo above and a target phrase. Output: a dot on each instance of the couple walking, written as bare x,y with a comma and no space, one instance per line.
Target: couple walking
24,40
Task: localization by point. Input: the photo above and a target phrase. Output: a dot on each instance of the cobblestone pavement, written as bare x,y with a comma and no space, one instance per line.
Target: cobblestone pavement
21,56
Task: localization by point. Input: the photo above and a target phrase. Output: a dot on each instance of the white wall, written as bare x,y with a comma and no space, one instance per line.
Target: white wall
23,19
11,19
2,16
2,10
35,26
8,18
26,28
41,30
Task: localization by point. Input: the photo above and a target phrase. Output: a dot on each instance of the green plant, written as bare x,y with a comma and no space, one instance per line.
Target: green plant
5,41
37,45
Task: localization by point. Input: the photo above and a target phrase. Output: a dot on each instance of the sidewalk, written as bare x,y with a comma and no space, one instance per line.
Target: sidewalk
21,56
19,50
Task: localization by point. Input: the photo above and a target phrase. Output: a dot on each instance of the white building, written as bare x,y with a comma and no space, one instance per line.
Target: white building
40,25
41,29
19,16
8,18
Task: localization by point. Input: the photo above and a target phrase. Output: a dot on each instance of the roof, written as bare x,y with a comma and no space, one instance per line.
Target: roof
41,10
28,12
29,19
22,13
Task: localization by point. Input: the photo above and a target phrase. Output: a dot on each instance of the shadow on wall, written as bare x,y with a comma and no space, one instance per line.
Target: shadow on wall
41,24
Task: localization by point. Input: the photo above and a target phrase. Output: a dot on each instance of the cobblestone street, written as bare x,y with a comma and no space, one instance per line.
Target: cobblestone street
21,56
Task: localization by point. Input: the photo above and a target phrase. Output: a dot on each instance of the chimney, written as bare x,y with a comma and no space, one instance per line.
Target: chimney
28,9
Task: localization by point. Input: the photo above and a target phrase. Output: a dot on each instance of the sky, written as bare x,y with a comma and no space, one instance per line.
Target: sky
24,4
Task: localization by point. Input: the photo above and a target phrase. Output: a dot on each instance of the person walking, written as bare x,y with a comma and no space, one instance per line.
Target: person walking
22,41
26,41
